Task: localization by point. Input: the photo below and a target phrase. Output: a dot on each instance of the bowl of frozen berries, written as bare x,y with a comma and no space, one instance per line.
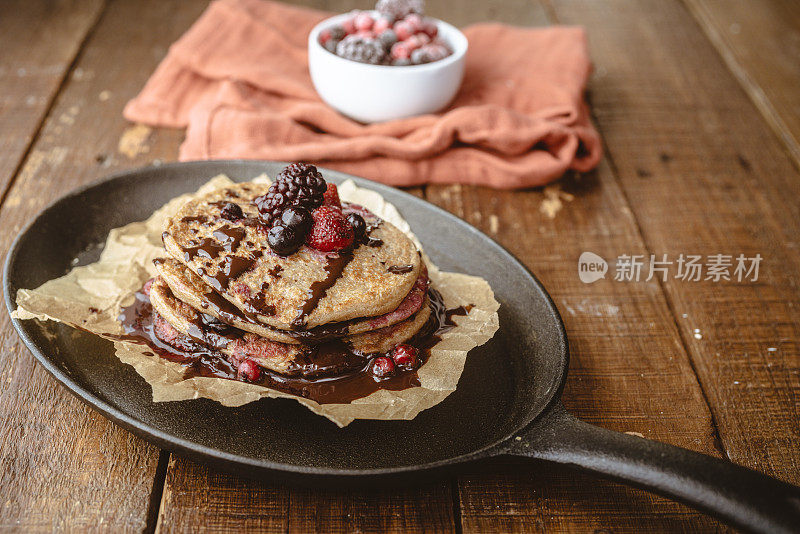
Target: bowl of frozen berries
389,63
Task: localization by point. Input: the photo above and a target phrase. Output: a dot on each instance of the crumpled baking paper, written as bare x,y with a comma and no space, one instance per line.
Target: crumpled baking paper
91,296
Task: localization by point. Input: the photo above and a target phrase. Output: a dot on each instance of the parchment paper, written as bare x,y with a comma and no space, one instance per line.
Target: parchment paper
91,297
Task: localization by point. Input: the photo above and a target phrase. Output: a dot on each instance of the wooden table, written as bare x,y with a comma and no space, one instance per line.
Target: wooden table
698,105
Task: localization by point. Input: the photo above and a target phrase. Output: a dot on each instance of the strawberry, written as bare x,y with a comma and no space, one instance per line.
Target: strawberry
331,197
331,232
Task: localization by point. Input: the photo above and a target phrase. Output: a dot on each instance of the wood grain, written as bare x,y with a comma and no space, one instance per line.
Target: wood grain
705,175
629,370
761,47
683,175
64,467
39,41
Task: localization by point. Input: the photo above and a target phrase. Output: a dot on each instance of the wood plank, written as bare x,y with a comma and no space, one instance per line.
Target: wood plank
39,40
761,46
64,466
629,368
705,175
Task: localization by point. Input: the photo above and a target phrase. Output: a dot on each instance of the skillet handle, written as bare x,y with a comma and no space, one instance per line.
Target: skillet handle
745,498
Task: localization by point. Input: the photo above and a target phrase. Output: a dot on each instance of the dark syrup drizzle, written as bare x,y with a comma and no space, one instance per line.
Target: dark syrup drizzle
334,267
354,378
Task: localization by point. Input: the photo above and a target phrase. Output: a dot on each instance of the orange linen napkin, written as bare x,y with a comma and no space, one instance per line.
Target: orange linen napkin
238,81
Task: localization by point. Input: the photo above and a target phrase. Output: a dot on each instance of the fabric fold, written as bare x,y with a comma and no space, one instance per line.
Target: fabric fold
238,82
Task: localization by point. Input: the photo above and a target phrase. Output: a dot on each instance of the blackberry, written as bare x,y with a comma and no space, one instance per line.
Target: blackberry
397,9
387,39
362,50
299,184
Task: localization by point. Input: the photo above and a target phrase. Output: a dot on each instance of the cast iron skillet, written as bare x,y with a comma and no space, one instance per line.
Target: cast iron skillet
507,402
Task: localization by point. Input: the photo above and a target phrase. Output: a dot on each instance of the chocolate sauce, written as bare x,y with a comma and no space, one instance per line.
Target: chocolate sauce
202,219
400,269
353,375
276,271
229,237
333,268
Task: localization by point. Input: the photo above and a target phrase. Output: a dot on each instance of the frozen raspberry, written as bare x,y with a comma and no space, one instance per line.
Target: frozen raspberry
388,39
397,9
349,26
402,62
334,33
422,38
381,25
332,197
405,356
331,231
383,367
403,30
413,42
415,21
367,35
400,51
363,21
430,29
249,370
362,50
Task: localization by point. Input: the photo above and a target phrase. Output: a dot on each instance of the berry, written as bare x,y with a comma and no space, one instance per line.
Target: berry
400,51
430,28
249,370
388,38
359,49
403,30
383,367
324,36
405,356
397,9
231,212
402,62
337,32
331,45
331,196
359,226
381,25
147,285
331,232
349,26
299,184
423,38
413,42
367,35
298,219
283,241
415,21
429,53
363,21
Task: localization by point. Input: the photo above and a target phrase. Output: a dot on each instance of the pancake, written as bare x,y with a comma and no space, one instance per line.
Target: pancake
178,320
304,290
191,289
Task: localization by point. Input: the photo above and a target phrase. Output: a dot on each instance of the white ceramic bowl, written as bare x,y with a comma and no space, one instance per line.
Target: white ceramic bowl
376,93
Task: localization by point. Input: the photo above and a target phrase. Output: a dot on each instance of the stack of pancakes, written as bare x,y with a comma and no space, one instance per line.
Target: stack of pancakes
224,288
